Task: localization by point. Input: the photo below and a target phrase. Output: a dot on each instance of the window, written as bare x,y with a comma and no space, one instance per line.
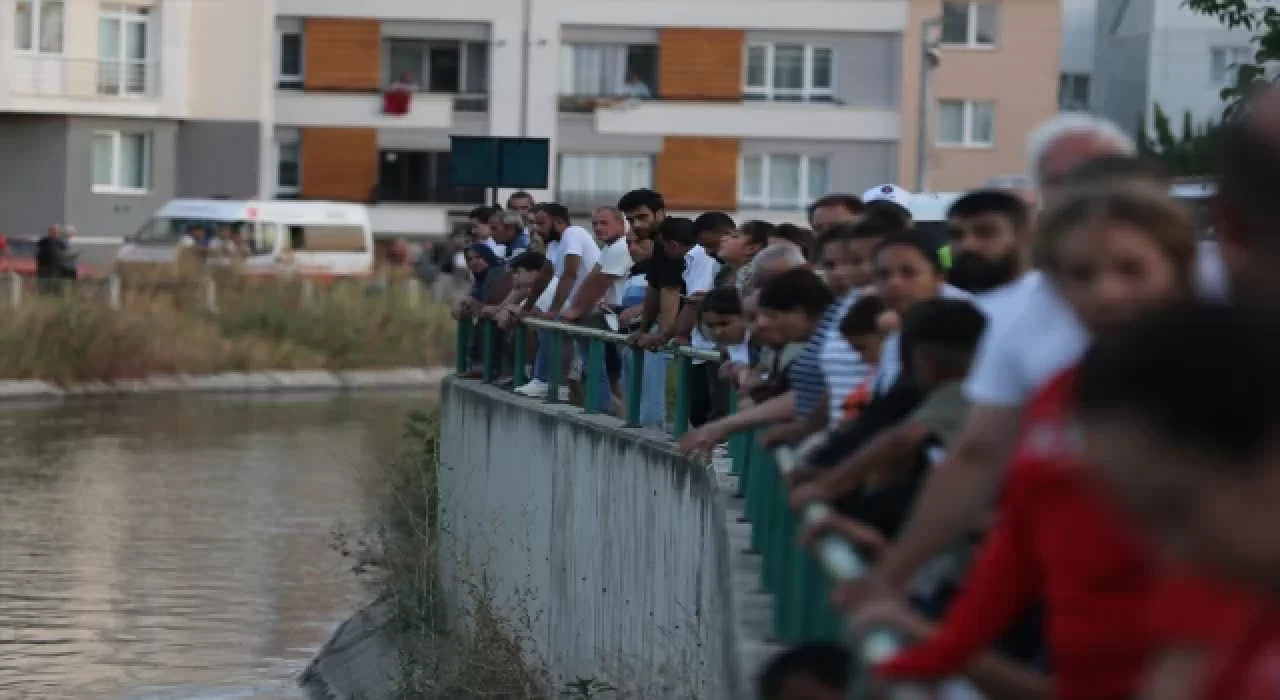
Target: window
966,124
589,181
123,46
419,177
782,182
289,68
288,168
1223,62
324,238
38,25
1073,92
121,162
439,66
604,70
971,23
790,73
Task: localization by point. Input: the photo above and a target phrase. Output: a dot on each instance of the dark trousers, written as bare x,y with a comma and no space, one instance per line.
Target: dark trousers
708,394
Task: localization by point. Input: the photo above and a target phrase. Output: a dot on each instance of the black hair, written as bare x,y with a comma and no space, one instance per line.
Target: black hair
519,194
948,330
714,222
801,237
1000,202
915,238
824,661
863,230
798,288
678,229
863,318
845,201
1248,167
646,198
481,214
1217,394
722,300
529,260
1110,167
556,211
889,212
758,232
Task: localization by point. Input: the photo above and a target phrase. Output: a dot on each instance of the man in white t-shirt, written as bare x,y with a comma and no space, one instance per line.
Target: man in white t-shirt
573,253
601,293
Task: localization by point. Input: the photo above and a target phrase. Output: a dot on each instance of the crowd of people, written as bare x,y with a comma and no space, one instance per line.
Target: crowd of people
1053,434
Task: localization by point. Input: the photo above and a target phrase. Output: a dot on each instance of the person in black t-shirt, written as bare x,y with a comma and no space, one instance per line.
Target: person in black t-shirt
646,211
50,253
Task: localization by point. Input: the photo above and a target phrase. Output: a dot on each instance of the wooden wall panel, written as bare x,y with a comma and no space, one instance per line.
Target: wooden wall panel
338,163
342,54
701,64
698,174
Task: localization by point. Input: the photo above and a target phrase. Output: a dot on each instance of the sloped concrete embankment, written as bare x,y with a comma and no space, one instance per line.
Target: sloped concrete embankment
618,551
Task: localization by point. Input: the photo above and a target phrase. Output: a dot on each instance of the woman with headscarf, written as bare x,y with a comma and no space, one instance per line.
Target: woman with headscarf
490,285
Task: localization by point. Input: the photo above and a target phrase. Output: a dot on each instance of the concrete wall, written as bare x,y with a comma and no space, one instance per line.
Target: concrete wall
617,546
218,159
103,214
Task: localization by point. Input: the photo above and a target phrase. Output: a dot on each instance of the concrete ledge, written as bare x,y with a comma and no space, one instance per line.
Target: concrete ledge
14,390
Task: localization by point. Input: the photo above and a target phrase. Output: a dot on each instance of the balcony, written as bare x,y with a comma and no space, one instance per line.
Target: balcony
84,79
584,202
815,120
427,111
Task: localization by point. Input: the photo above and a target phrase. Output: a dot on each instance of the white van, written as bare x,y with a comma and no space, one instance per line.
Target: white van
313,239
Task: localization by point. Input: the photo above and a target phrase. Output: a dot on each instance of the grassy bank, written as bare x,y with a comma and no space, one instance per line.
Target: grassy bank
170,327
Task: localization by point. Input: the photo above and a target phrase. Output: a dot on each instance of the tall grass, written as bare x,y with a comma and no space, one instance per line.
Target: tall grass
167,328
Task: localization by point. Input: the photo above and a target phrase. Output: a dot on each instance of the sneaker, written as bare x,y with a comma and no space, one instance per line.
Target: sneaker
563,393
535,389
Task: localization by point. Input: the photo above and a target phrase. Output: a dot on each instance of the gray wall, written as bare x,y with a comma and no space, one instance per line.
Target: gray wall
464,124
577,134
218,158
33,166
868,65
1121,79
854,165
614,545
97,214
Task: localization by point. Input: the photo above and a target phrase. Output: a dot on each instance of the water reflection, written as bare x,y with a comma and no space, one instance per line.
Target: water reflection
179,548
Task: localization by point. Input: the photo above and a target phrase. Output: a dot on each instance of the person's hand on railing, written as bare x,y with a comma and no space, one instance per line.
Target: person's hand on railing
463,308
855,532
572,315
701,440
631,315
814,491
855,594
648,341
488,312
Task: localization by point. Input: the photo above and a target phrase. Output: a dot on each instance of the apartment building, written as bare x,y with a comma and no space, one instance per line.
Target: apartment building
107,109
1153,52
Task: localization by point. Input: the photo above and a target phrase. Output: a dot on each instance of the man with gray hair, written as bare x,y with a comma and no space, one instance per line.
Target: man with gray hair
1065,142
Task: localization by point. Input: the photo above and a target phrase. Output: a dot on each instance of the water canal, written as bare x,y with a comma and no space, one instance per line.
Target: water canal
179,548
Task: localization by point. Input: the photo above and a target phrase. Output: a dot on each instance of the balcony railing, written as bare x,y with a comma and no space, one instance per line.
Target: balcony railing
579,202
58,76
589,103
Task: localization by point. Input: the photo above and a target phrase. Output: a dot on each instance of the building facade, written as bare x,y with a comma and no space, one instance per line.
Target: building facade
1157,52
752,108
108,109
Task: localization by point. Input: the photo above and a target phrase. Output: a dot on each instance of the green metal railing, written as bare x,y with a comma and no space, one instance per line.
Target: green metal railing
799,581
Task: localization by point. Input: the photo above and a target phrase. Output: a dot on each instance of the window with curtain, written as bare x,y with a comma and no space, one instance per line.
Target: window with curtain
39,25
782,182
588,181
121,162
966,123
123,48
439,66
593,70
790,73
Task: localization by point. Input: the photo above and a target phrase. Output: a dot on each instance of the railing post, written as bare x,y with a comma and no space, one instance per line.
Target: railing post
555,364
113,291
210,295
634,386
414,290
592,372
486,326
684,376
735,441
15,290
517,372
464,344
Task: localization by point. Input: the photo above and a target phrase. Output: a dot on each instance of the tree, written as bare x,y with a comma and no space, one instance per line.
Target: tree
1190,152
1261,20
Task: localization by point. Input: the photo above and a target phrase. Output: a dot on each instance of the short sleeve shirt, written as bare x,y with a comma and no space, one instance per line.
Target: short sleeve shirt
943,411
575,240
615,263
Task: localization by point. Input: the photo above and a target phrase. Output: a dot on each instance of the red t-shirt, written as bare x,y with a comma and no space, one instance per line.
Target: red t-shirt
1248,668
1057,539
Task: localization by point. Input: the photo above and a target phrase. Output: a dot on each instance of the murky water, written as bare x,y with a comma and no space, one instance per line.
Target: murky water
180,548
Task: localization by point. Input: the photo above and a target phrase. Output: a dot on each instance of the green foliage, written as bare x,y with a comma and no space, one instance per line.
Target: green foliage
1263,22
1188,152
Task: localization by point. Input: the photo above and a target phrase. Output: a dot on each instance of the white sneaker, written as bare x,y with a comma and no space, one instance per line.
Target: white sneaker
535,389
563,393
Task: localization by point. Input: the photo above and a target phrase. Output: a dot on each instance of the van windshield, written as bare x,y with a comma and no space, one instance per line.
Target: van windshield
260,238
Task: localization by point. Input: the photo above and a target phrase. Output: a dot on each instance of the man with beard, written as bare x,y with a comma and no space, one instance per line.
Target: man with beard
989,231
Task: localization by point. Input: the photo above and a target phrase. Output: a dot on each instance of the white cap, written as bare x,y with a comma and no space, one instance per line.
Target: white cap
893,193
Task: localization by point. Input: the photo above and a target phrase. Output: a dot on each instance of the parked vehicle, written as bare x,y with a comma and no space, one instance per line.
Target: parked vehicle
21,260
325,240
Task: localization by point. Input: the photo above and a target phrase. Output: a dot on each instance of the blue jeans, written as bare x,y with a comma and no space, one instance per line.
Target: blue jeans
653,387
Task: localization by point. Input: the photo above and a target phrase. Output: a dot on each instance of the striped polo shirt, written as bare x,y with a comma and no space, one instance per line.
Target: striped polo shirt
842,367
806,375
